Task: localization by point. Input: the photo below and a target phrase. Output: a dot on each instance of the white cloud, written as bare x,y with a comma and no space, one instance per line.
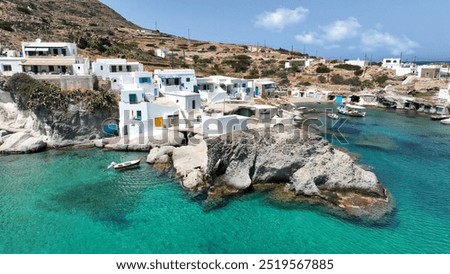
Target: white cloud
374,40
341,29
309,38
280,18
337,31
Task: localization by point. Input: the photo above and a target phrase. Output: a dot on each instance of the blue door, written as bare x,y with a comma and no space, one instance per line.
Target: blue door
339,100
257,91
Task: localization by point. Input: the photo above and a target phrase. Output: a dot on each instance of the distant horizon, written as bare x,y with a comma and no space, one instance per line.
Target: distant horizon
372,29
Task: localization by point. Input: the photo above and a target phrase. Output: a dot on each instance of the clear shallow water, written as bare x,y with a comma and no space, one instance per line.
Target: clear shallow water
62,202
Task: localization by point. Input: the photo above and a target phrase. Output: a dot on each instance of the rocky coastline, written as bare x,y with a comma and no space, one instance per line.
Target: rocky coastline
29,131
293,167
299,170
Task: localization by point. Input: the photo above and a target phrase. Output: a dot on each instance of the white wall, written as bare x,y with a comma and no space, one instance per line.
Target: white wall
13,62
361,63
186,83
391,63
186,101
223,124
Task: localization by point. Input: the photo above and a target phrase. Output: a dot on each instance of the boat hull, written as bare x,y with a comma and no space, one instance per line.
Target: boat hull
127,165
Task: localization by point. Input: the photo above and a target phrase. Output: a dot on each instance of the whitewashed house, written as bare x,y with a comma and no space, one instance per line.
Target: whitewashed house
114,69
264,87
53,58
10,63
405,69
143,80
143,116
214,89
179,85
218,124
300,62
175,80
162,52
391,63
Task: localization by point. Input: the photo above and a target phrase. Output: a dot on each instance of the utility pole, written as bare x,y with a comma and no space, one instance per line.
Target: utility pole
189,34
156,25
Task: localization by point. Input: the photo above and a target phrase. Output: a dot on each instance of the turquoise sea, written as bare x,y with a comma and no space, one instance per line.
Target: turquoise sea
61,201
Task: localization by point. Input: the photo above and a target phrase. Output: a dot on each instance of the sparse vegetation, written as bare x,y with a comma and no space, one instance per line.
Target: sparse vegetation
323,69
239,63
31,94
380,80
322,79
6,26
348,67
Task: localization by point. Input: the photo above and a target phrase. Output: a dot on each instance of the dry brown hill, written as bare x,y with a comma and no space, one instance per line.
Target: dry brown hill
101,32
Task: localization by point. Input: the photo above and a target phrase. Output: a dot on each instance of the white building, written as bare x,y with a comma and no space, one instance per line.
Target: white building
357,62
53,58
10,63
144,116
264,87
218,124
405,69
301,62
444,94
162,52
176,80
429,71
392,63
187,101
214,89
179,85
114,69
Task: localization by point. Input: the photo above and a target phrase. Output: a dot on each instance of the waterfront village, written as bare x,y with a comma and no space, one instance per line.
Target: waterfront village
172,113
153,102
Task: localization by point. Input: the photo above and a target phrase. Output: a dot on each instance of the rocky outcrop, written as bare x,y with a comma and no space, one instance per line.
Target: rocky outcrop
56,128
22,142
308,168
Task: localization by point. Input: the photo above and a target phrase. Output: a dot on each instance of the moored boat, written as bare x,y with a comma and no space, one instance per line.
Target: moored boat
440,117
445,121
351,110
333,116
125,165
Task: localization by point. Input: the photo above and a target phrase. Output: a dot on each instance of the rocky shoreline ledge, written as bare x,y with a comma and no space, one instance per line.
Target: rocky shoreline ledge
293,169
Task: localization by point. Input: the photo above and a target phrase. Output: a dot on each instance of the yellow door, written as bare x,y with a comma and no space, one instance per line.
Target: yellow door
158,121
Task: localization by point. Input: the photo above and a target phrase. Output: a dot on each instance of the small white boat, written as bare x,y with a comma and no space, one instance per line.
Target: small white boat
333,116
125,165
351,110
445,121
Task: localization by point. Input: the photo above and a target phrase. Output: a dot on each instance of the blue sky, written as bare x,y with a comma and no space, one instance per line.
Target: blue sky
415,29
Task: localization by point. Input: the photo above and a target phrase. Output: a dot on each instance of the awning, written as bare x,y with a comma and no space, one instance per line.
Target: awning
47,62
36,49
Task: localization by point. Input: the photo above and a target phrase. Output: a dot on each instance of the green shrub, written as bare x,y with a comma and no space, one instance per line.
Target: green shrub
348,67
381,79
6,26
322,69
358,72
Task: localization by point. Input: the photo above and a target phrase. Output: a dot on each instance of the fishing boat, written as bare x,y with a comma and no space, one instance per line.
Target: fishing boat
445,121
439,117
351,110
333,116
125,165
